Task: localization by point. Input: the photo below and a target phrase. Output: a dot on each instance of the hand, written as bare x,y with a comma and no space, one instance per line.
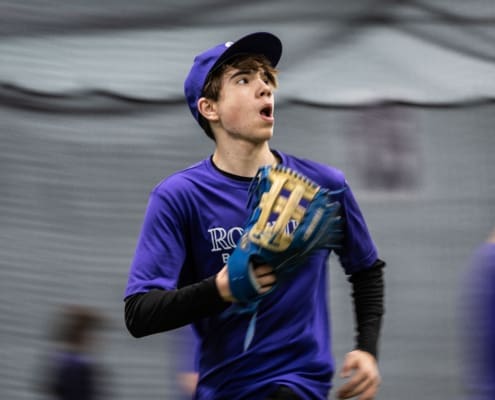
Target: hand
188,381
222,281
364,378
264,275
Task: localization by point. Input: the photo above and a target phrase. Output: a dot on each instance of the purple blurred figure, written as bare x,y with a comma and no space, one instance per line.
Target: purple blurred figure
73,371
479,323
185,365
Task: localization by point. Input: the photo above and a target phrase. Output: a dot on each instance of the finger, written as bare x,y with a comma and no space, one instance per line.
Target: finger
370,392
265,289
356,384
354,387
266,280
265,276
366,388
347,387
263,269
350,363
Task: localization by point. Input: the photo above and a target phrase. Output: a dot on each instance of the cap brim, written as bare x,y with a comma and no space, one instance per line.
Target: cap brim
263,43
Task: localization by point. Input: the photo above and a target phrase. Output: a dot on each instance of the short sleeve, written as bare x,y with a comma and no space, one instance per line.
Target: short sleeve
358,251
160,250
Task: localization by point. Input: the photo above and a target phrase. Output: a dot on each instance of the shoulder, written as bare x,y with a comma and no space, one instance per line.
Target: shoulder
181,180
177,192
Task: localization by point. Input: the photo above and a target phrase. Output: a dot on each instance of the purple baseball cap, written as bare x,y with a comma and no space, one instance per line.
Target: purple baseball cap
263,43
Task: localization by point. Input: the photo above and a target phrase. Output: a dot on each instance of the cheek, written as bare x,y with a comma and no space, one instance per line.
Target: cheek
233,114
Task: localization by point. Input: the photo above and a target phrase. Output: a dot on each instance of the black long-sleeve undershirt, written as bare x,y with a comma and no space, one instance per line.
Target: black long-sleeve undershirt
368,289
163,310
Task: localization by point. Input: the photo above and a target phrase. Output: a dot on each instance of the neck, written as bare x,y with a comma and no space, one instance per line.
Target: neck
244,161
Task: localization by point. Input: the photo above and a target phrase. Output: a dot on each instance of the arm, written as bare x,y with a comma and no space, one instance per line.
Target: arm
151,303
163,310
360,365
368,294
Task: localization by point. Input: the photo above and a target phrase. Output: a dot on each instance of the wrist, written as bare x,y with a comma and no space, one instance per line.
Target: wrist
365,352
222,283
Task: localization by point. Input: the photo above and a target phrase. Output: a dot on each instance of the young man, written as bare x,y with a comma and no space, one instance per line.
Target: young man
195,217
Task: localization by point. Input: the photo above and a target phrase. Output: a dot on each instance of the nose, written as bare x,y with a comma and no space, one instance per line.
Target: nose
265,88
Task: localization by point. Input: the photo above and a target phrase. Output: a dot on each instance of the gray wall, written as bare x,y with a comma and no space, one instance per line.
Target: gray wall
74,188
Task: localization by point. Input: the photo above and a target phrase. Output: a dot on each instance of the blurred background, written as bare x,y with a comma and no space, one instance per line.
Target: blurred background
398,94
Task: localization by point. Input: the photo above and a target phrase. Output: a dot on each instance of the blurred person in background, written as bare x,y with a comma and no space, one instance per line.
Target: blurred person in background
73,372
384,147
184,355
478,322
194,218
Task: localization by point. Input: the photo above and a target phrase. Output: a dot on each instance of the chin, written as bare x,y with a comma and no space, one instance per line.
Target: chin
267,135
263,138
256,136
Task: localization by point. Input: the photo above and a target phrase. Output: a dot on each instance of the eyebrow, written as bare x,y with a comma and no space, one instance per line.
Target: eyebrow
241,72
267,74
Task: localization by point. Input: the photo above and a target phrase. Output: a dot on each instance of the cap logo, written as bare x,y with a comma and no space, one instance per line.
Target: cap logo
228,44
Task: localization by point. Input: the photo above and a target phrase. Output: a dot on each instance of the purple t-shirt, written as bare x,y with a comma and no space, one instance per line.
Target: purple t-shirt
192,223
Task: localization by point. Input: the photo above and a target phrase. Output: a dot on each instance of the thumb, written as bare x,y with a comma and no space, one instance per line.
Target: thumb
347,367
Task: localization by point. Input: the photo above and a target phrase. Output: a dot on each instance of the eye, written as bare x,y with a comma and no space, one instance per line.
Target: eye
266,79
242,81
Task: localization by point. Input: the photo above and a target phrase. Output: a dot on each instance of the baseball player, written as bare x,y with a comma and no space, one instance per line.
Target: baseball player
281,348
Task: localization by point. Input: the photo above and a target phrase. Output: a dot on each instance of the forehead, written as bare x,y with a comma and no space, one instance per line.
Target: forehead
231,70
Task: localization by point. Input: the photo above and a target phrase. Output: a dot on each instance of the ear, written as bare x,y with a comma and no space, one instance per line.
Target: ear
207,108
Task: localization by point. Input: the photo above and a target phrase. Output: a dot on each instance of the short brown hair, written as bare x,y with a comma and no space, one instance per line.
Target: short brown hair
213,84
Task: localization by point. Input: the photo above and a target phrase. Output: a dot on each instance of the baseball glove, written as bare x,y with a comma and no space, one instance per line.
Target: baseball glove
292,217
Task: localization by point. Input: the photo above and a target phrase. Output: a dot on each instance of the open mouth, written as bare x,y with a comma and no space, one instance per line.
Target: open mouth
267,111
